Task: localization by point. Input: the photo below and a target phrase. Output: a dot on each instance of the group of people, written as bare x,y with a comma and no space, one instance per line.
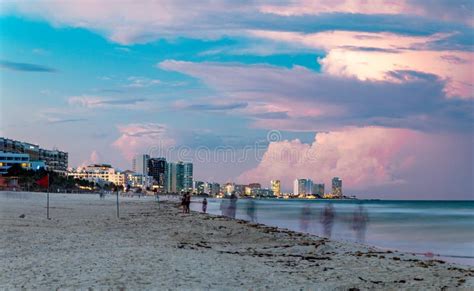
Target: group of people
186,201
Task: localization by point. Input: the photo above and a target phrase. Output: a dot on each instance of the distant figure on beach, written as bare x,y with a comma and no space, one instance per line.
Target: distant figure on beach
327,219
251,211
204,205
183,202
305,218
224,207
187,202
232,205
102,195
360,219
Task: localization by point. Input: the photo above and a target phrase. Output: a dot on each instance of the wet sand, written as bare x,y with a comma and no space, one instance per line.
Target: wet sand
156,246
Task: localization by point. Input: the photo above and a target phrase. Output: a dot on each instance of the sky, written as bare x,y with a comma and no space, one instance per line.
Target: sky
378,93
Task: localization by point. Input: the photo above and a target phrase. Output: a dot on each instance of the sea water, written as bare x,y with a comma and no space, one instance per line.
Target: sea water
442,228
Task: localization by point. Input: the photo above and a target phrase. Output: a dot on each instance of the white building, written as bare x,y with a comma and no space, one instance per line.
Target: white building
135,180
140,164
98,173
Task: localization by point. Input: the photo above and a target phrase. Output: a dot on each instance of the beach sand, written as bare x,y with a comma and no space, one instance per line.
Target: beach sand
154,246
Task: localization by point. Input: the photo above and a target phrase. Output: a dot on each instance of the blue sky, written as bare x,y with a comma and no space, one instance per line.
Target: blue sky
376,93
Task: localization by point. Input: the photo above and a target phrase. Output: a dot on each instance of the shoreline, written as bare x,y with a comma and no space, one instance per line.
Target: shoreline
155,246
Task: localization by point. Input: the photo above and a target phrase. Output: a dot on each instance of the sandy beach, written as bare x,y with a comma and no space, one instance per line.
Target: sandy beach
154,246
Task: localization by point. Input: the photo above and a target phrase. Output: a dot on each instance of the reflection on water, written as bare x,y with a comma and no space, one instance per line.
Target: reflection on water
440,227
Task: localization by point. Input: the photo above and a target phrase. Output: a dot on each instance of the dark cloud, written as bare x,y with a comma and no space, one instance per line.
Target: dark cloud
66,120
412,99
272,115
216,107
26,67
370,49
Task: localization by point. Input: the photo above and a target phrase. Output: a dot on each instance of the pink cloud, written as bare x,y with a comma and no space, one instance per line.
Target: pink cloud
308,100
457,12
362,157
142,138
330,6
371,56
94,158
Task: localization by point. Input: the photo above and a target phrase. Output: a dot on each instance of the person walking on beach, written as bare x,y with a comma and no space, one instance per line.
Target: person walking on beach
183,202
224,207
327,219
232,205
305,218
204,205
251,210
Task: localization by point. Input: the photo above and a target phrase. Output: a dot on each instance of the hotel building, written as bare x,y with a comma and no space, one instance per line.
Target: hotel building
99,173
54,160
9,159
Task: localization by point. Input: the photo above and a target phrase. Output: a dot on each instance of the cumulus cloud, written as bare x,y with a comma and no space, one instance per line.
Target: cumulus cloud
363,157
315,101
370,56
94,158
141,138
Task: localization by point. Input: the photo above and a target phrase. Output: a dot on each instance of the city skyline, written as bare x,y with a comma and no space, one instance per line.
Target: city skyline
375,92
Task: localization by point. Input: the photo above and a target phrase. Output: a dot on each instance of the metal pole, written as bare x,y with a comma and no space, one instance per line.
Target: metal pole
118,213
47,205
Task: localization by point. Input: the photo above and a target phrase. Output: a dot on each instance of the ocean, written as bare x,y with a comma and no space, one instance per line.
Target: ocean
444,229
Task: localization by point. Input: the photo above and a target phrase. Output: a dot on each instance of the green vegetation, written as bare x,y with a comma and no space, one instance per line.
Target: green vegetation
27,181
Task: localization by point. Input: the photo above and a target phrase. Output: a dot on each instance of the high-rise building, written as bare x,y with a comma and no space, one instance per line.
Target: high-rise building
179,177
171,178
303,187
318,189
157,169
276,187
336,187
200,187
309,186
140,164
187,177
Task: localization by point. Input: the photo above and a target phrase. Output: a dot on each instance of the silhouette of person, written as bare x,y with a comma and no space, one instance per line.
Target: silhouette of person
251,211
204,205
360,219
327,219
305,218
232,206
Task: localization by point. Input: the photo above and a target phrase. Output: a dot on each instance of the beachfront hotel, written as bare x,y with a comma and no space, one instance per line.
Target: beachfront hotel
99,173
54,160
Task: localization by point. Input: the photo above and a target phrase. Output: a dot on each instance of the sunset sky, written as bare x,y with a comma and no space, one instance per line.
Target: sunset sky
379,93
